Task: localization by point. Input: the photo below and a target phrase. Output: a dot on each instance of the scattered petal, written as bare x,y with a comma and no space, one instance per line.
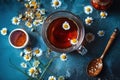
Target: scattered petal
23,65
21,54
66,25
88,9
52,78
89,37
56,3
63,57
89,20
101,33
4,31
103,14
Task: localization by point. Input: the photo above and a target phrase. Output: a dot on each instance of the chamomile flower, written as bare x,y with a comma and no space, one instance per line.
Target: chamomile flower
23,65
66,25
73,41
88,9
36,63
56,3
33,72
27,57
63,57
103,14
27,50
28,24
37,52
101,33
4,31
42,11
61,78
52,78
38,14
89,37
15,21
36,22
89,20
33,4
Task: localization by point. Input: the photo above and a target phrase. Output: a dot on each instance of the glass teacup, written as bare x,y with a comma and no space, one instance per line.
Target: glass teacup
64,32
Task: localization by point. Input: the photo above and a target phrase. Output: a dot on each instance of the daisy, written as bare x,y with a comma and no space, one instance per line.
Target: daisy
88,9
56,3
73,41
63,57
103,14
38,14
66,25
101,33
36,22
52,78
33,4
33,72
61,78
28,24
37,52
15,20
4,31
23,65
42,11
89,20
29,14
27,57
36,63
27,50
89,37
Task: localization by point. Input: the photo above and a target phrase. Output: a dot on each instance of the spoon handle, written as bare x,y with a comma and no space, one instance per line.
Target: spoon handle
113,36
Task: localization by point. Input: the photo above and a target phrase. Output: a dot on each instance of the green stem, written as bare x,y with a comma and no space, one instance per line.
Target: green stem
49,63
15,67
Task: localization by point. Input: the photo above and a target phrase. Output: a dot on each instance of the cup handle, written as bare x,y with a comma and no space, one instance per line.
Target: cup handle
82,50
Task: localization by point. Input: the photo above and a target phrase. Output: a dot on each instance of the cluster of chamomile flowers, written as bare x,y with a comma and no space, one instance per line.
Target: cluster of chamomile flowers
89,20
33,15
29,55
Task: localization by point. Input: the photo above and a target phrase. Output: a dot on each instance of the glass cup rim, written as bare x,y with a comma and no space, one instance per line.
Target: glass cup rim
47,22
27,38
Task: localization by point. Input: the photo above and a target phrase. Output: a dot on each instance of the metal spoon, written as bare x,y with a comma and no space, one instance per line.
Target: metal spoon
96,65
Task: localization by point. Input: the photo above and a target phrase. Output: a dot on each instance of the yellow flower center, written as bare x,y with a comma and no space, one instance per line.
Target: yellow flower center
88,9
65,25
27,5
89,20
27,56
89,37
28,49
37,51
56,3
15,20
38,14
32,71
4,31
63,56
51,78
103,14
28,24
74,40
101,33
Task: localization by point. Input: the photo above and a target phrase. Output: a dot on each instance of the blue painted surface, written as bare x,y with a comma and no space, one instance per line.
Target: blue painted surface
75,66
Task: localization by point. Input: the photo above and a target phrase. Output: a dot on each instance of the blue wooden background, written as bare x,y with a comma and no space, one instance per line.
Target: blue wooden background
75,66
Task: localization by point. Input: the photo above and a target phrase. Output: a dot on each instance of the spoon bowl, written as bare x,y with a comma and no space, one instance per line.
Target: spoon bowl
95,67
